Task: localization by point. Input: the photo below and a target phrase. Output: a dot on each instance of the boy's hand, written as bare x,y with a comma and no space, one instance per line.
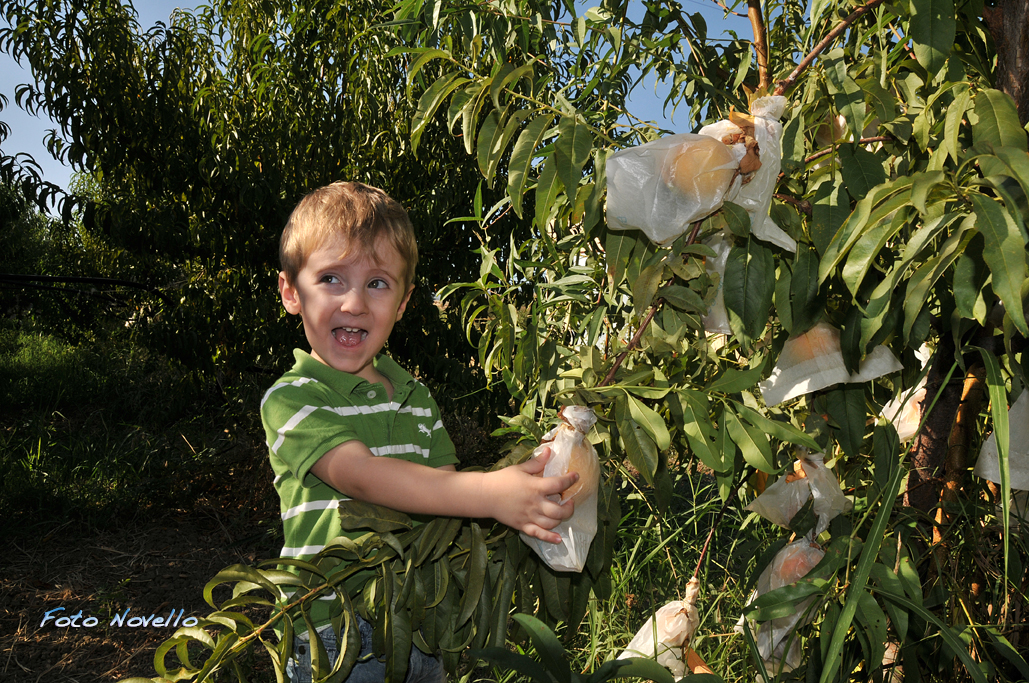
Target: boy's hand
521,500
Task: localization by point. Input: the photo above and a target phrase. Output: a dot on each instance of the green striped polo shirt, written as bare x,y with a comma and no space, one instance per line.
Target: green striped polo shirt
312,409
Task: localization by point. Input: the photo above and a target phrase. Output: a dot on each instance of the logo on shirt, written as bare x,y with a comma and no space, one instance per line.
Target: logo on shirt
425,430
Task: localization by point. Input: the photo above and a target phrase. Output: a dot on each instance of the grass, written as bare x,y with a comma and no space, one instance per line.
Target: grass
93,433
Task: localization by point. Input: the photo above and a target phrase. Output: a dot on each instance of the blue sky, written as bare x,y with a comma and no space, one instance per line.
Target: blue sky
28,132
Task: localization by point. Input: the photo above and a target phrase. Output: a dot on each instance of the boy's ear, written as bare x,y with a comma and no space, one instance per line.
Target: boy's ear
288,293
403,302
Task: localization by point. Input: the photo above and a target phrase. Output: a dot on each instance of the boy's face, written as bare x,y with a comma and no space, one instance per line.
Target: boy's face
349,305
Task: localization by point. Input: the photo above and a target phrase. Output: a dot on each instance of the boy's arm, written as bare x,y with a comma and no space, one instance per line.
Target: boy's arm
512,495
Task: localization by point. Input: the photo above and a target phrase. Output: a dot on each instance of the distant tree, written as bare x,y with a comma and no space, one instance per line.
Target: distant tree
201,136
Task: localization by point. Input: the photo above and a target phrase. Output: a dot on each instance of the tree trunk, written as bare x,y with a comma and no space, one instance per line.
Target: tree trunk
929,452
1008,22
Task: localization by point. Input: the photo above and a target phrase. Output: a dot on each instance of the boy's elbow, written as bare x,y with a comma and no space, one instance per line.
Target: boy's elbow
341,467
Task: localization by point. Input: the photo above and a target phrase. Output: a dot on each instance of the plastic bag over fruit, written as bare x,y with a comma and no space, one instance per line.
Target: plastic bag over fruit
665,635
789,565
571,451
716,320
808,478
905,411
814,360
988,465
663,186
756,140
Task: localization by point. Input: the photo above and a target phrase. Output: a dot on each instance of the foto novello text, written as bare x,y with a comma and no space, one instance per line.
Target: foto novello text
173,620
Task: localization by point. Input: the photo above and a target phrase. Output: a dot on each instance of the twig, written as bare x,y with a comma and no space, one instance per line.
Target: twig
802,204
862,141
780,88
729,11
609,377
757,24
632,342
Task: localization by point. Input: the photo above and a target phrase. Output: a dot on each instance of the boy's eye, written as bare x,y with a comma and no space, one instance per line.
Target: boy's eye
331,279
378,283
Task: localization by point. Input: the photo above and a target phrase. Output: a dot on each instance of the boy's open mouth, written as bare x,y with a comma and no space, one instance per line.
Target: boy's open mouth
349,336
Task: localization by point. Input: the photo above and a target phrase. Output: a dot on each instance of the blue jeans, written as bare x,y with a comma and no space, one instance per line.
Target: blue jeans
421,667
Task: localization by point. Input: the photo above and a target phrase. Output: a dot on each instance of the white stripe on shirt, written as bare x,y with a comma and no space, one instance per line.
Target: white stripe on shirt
330,504
296,383
401,449
290,424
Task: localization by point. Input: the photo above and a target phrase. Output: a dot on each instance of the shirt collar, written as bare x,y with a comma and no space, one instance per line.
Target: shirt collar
345,383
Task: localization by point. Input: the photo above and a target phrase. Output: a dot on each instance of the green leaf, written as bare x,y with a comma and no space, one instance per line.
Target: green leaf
862,170
828,212
886,578
697,426
548,647
859,579
548,186
651,421
752,442
571,151
682,298
429,102
489,136
737,219
997,122
618,247
807,302
644,669
783,431
644,289
1001,431
946,633
355,515
932,27
521,159
511,661
883,101
847,94
881,201
782,602
952,126
639,447
732,380
1004,253
793,143
477,561
847,407
871,616
749,283
867,248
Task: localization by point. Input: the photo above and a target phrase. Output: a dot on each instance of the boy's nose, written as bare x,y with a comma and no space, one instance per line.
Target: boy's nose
353,302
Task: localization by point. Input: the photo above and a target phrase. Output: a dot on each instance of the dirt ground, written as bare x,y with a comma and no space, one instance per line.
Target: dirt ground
149,565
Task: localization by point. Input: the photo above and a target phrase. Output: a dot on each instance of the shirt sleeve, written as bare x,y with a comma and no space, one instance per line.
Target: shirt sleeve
300,430
441,447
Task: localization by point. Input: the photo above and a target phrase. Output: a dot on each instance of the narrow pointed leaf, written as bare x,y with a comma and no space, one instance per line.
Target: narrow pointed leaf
1004,253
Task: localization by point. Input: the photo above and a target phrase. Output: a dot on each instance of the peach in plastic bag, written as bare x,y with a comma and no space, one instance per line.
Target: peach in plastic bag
789,565
666,634
808,478
571,451
663,186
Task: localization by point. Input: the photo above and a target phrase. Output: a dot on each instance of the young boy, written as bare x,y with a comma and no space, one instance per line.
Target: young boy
347,422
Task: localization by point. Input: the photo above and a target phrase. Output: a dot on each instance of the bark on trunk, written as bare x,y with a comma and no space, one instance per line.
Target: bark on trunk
930,449
1008,22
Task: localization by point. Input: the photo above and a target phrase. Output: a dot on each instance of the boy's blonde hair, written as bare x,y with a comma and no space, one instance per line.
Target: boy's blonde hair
355,214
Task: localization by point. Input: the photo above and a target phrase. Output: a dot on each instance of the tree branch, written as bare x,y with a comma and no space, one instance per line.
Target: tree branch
826,42
757,24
